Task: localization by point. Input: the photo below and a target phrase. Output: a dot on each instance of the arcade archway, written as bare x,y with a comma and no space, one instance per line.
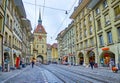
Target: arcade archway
106,57
6,57
81,58
14,56
40,58
91,56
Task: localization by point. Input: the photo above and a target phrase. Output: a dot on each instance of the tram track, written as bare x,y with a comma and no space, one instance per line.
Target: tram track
76,78
66,78
92,75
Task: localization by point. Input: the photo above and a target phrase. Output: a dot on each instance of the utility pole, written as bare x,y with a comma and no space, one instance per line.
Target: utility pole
4,19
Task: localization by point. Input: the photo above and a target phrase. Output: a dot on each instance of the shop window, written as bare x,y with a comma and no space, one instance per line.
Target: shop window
86,43
84,22
42,51
90,18
91,42
7,20
117,12
118,29
101,40
107,20
109,35
11,24
105,4
85,33
81,45
90,30
99,24
97,11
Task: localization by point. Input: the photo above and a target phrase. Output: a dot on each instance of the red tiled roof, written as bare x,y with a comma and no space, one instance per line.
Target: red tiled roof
48,46
40,29
55,45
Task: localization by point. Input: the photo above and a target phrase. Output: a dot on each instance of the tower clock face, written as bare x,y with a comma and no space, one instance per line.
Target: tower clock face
40,37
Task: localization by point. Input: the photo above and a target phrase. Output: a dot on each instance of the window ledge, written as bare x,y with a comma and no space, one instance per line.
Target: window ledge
107,24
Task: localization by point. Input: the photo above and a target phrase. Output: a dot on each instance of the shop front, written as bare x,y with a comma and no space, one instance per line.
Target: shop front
107,58
65,60
72,59
7,58
81,58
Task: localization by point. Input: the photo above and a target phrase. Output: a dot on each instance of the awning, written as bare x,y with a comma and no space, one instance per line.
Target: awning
107,53
105,48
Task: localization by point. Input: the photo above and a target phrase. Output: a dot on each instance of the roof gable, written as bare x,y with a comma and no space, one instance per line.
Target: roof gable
40,29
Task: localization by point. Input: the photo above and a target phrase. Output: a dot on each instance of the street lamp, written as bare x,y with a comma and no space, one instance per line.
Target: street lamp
6,2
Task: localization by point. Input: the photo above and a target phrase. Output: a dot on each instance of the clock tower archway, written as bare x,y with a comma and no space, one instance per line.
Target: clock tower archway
40,58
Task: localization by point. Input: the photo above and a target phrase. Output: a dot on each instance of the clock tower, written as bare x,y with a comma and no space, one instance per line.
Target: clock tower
40,41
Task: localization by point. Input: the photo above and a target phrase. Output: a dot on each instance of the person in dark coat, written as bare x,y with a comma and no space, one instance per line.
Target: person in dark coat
33,63
91,64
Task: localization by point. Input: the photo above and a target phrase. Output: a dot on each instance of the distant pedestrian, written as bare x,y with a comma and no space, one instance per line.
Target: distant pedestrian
91,64
33,63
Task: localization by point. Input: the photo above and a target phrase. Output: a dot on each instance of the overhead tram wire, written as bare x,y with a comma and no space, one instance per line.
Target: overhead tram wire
58,10
43,9
47,7
65,18
35,15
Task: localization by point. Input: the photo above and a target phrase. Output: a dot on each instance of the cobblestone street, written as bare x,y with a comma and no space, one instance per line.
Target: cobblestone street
39,74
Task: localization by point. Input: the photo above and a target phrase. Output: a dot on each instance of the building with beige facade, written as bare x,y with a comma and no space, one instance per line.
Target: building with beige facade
60,46
54,52
97,32
66,45
16,29
39,44
101,19
86,44
49,53
107,23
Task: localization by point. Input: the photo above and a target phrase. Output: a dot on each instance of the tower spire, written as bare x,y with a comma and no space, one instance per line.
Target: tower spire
39,20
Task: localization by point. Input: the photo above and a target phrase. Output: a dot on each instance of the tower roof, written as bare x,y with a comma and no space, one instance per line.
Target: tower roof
40,28
40,20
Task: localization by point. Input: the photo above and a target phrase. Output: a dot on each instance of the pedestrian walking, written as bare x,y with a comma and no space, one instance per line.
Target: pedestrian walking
33,63
91,64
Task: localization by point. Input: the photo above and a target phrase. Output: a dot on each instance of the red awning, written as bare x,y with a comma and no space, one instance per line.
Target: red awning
105,48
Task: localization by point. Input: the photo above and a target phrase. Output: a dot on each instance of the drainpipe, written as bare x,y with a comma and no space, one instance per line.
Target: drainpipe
6,2
97,53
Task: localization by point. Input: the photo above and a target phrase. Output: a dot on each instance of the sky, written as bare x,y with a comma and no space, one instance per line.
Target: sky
53,14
